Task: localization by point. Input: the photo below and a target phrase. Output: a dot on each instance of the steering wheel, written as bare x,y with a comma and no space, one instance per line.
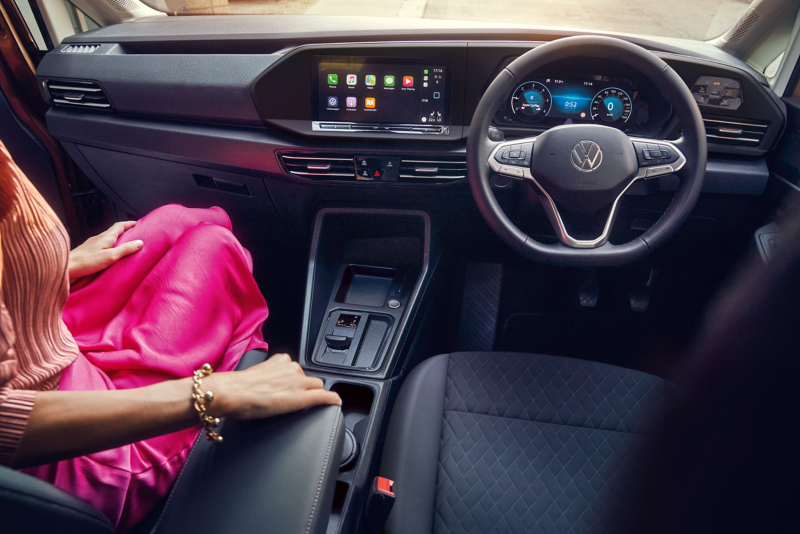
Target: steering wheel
580,172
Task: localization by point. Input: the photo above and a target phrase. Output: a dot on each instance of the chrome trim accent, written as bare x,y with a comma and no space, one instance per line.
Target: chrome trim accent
84,89
737,123
425,172
60,101
734,138
412,129
550,206
437,177
581,158
299,173
318,167
438,162
315,158
733,131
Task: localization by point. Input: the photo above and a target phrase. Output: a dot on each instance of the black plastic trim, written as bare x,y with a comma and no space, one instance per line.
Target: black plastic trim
403,316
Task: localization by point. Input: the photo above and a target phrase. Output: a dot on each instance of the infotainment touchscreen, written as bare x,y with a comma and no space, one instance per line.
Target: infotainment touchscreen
397,95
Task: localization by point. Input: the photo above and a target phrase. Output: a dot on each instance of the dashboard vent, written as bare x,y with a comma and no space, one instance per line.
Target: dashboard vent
433,169
80,49
334,168
737,132
75,94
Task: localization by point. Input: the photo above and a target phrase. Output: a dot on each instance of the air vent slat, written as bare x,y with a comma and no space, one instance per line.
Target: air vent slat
433,170
80,49
78,94
735,132
421,170
319,167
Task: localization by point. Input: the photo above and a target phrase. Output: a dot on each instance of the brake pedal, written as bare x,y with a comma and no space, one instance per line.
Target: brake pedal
640,296
589,291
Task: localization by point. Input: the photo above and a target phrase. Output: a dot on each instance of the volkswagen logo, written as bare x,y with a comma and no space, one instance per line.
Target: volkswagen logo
586,156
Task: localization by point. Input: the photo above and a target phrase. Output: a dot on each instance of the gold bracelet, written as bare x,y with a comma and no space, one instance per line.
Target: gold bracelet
200,398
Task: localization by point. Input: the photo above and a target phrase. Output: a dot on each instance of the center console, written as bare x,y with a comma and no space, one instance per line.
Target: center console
368,271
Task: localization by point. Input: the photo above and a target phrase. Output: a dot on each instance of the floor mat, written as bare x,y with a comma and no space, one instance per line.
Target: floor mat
480,305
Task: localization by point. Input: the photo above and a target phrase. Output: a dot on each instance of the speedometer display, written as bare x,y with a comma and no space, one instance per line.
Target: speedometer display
531,101
548,102
611,106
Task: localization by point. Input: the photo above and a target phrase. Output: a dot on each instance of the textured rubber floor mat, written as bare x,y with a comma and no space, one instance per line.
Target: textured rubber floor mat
478,325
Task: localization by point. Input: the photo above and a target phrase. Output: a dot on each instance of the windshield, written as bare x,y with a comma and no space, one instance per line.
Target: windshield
689,19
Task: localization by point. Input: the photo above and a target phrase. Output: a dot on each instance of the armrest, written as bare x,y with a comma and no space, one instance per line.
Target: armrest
275,475
28,504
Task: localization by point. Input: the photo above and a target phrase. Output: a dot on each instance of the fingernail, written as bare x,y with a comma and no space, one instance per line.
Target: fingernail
139,243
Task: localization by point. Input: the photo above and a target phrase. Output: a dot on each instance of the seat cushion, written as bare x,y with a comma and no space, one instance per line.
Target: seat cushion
526,443
28,504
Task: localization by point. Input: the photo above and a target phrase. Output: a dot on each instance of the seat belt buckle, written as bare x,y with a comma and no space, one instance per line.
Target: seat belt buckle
379,504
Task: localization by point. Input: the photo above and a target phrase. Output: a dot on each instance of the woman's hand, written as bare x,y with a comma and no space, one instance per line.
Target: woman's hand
274,387
99,252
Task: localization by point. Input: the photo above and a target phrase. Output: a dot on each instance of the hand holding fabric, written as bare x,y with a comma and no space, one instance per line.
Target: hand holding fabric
99,252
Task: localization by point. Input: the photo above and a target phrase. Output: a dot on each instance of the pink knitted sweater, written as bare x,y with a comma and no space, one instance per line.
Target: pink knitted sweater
35,345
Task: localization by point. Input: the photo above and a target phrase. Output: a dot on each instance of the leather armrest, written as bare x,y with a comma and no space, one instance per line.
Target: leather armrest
274,475
28,504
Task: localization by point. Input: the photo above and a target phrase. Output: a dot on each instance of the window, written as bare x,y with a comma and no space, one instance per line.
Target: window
30,21
80,21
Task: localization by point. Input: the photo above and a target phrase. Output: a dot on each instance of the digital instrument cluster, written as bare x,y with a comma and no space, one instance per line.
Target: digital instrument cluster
558,100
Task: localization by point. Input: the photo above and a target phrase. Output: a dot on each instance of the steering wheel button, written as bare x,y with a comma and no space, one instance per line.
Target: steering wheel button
512,171
514,154
658,171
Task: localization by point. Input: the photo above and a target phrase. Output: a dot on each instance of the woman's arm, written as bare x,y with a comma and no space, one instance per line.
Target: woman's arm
66,424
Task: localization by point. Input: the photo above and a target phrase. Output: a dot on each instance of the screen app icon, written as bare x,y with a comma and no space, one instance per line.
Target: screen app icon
370,79
333,79
351,101
333,102
352,79
369,103
388,80
408,81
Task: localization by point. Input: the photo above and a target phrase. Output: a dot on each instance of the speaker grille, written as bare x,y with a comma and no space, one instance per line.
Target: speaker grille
742,25
125,5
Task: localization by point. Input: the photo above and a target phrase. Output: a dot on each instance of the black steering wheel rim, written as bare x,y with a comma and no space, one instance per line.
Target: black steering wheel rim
692,144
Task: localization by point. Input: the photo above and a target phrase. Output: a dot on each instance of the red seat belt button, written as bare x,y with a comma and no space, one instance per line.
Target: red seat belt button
385,485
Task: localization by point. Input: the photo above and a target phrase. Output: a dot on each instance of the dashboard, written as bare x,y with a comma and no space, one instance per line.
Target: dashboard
429,91
280,96
237,112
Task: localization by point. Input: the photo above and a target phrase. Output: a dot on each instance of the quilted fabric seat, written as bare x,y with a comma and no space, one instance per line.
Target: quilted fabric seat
518,443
